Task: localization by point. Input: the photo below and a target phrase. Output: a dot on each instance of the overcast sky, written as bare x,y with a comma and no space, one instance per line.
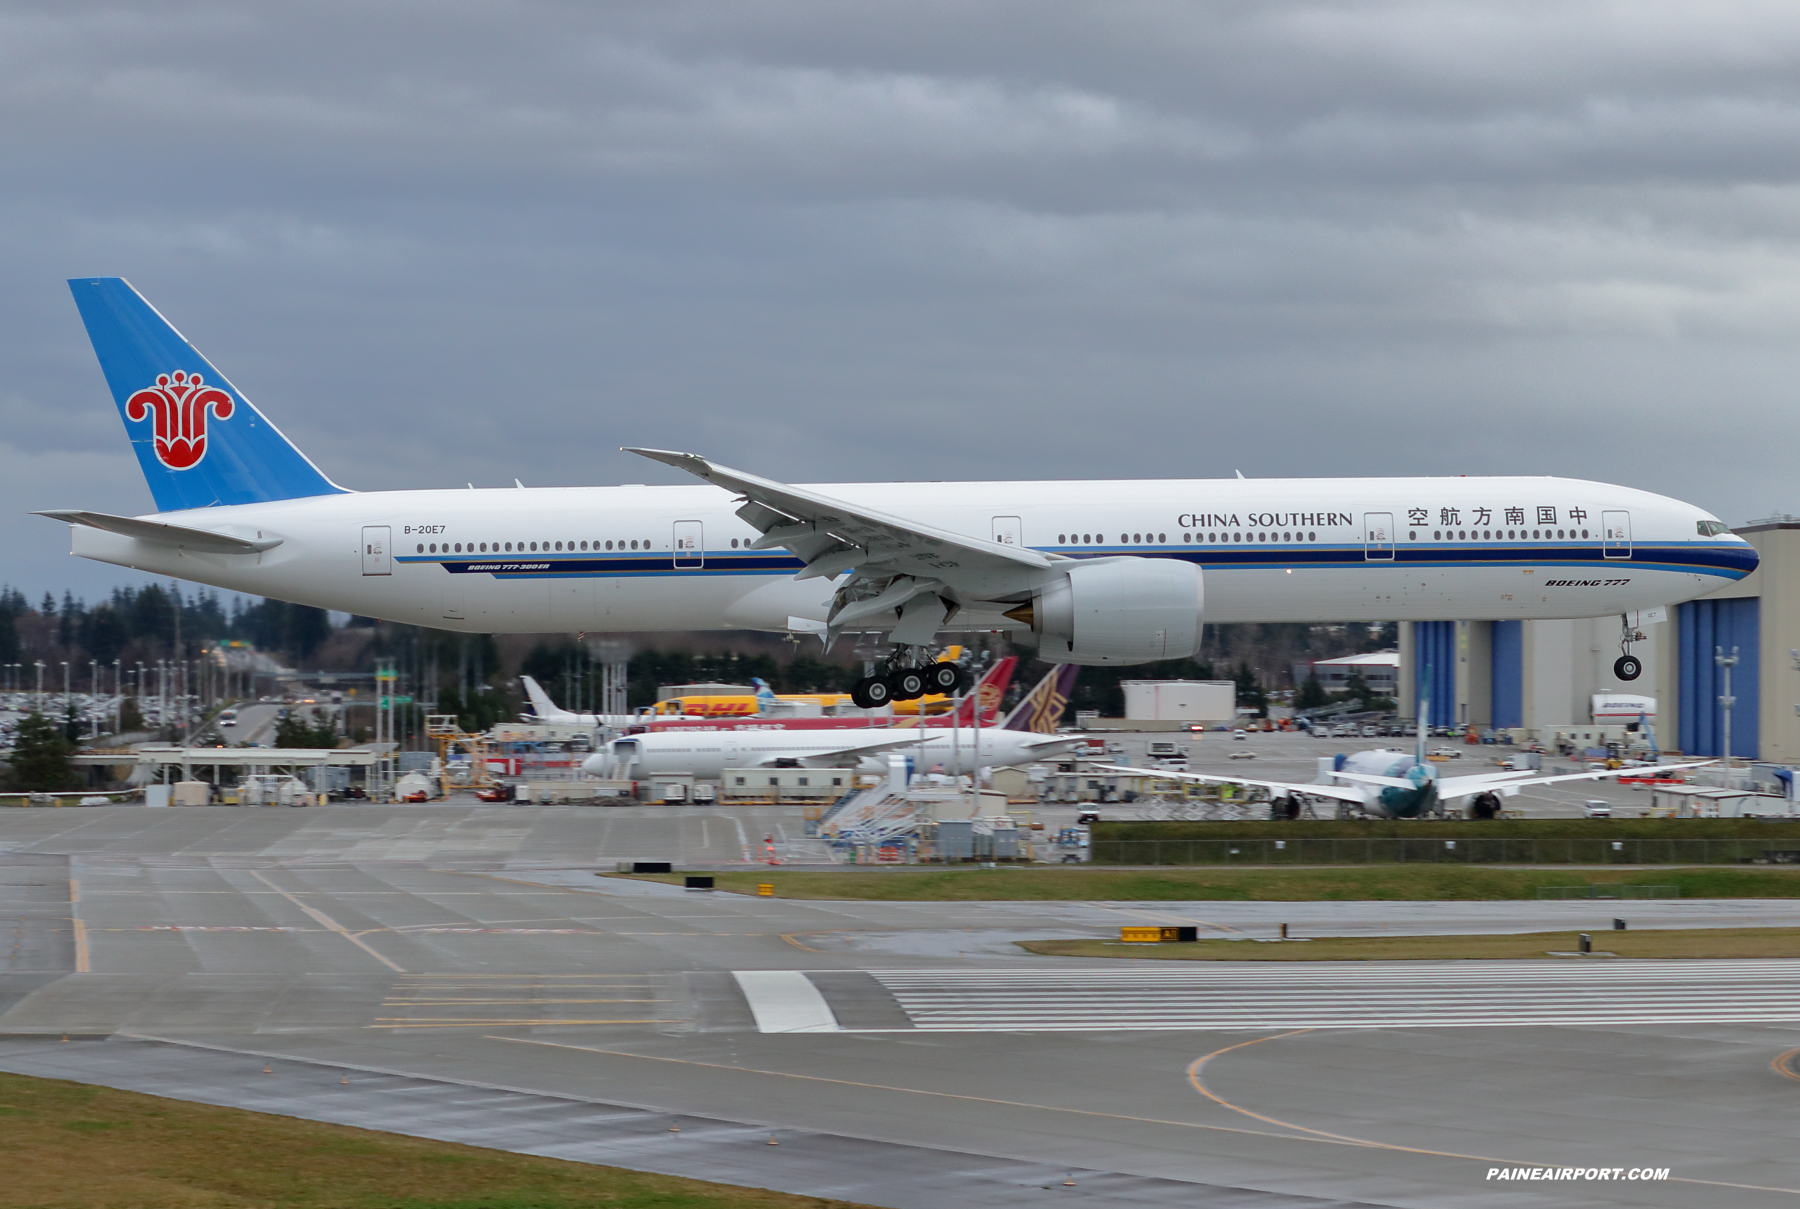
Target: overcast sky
455,242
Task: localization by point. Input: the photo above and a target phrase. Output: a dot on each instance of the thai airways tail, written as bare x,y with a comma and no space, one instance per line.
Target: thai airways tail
541,705
1042,709
200,443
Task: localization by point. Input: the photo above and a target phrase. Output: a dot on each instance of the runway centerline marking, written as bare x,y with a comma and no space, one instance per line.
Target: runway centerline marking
1196,1068
330,923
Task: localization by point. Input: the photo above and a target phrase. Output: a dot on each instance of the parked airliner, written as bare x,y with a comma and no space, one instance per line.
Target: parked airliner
1387,784
1101,572
957,749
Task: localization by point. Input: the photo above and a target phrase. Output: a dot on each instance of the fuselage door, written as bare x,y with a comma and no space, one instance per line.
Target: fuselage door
1615,528
376,556
1007,531
1378,536
690,545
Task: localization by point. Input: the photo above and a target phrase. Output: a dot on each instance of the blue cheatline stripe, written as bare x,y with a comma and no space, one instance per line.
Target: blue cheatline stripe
1582,558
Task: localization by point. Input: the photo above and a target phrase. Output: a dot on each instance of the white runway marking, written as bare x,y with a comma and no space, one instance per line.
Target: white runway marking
1339,996
785,1001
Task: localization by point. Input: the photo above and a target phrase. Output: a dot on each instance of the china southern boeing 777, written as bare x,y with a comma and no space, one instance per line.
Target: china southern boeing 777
1096,572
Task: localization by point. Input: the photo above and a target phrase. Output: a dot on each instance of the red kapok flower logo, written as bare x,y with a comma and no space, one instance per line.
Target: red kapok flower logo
179,402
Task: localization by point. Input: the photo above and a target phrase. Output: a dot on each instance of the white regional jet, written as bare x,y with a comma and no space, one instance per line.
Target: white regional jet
1102,572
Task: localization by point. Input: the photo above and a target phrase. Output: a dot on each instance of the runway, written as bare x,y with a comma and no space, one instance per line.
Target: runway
905,1054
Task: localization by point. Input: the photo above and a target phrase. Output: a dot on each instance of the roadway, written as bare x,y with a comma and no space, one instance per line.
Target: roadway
471,977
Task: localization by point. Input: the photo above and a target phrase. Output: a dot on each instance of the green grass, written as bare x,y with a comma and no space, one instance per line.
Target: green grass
75,1146
1675,943
1351,882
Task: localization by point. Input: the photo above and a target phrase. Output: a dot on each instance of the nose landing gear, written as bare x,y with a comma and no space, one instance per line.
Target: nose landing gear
1628,666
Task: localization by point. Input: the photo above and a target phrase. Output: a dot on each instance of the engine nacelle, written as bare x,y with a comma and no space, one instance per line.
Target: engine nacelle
1118,611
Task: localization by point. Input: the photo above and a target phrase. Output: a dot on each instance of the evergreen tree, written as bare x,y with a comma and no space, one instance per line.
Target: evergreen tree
1249,692
40,758
304,730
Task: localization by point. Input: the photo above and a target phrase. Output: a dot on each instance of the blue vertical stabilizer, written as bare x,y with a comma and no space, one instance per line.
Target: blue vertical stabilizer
199,441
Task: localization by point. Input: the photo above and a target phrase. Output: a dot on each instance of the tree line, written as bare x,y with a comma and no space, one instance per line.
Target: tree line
152,622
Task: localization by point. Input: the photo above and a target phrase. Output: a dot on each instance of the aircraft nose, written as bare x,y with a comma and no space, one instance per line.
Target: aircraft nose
595,765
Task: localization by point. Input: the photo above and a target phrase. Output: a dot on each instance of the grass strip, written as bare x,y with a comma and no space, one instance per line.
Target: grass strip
1671,943
77,1146
1260,884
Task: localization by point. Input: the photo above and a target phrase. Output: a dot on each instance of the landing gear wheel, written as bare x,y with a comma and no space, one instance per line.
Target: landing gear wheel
872,692
908,684
1628,667
944,678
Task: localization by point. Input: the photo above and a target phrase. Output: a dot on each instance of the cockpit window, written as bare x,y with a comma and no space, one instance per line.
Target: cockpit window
1712,528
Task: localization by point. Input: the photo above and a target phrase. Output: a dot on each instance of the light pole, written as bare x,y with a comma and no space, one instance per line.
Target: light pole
1726,700
39,699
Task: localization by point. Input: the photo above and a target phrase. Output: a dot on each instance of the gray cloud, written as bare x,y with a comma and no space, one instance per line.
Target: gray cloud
463,242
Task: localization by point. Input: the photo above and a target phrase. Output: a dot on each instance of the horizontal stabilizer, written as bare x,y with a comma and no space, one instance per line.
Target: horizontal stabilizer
201,541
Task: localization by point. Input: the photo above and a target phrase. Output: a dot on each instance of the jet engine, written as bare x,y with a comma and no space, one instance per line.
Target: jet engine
1117,611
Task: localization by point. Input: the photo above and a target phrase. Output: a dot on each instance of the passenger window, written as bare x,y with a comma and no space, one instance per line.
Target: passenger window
1436,536
1161,539
1312,537
421,547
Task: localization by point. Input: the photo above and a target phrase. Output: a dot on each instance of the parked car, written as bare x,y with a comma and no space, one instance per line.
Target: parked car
1243,755
1594,808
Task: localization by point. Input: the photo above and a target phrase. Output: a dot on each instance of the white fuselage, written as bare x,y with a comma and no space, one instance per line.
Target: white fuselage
525,560
709,754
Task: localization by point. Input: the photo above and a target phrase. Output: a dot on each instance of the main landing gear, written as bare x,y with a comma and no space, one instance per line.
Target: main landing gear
1628,666
905,679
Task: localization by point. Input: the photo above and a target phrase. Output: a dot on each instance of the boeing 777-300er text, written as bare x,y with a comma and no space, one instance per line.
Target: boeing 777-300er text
1100,572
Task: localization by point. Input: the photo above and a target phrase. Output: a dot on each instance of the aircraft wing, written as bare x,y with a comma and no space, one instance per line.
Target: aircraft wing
1462,787
849,753
832,536
1344,793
